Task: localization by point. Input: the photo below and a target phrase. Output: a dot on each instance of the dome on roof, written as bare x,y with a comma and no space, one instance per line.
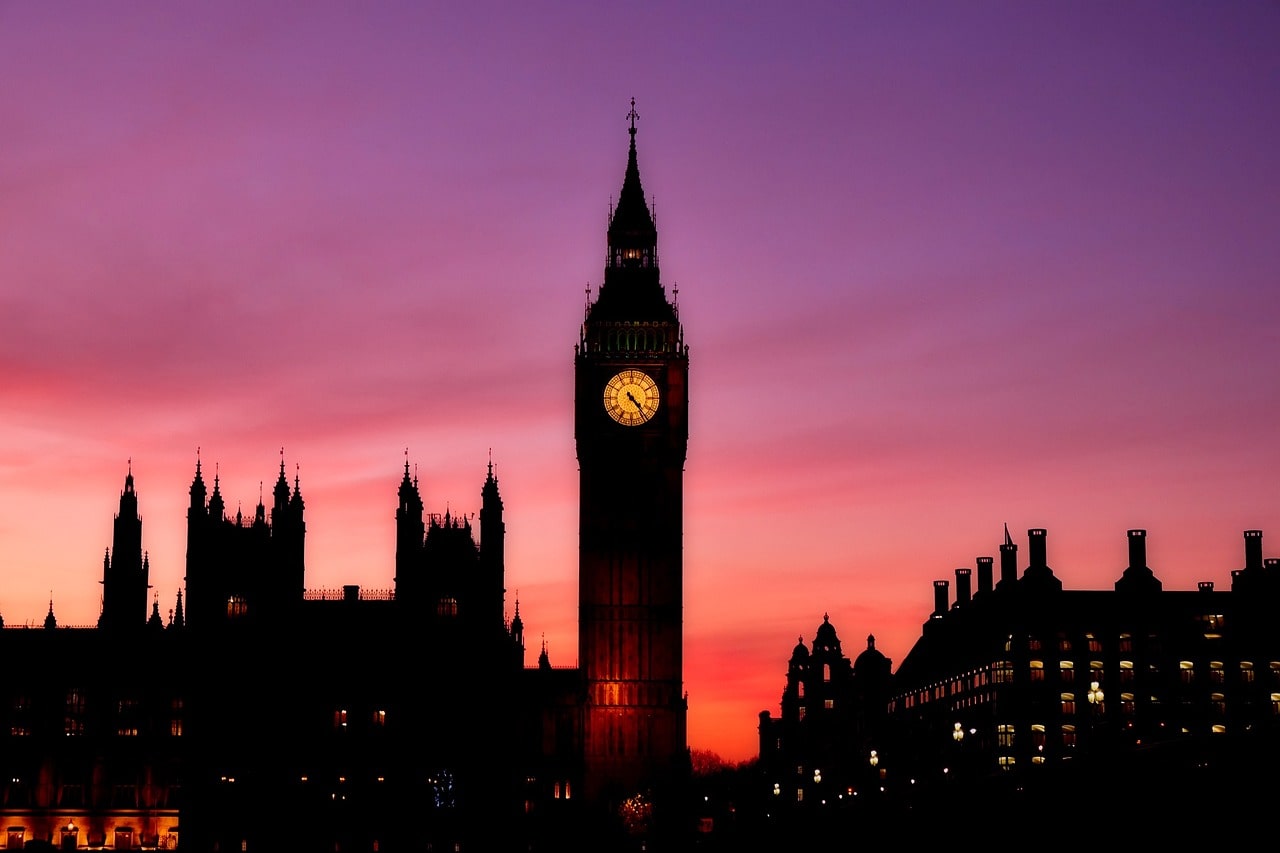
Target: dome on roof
871,659
800,652
826,637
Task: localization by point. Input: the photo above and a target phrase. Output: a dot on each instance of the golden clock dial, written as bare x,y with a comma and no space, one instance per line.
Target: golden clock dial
631,397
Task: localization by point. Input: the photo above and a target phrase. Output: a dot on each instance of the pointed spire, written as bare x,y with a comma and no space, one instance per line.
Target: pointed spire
177,620
198,491
49,621
632,225
281,492
1008,540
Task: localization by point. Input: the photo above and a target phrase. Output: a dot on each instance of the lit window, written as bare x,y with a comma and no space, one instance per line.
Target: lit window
1216,674
379,718
1187,671
1127,705
340,718
1067,671
1037,670
802,712
800,689
1126,642
1068,704
447,606
237,606
1004,735
828,703
1126,672
1246,671
826,672
1068,736
1095,645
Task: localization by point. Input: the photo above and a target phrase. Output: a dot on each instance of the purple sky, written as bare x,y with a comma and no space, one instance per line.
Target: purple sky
941,266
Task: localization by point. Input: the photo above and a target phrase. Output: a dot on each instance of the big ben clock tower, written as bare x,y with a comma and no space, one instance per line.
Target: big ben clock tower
631,422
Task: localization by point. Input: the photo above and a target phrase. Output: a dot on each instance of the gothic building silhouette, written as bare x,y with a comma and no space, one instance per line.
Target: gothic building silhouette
266,716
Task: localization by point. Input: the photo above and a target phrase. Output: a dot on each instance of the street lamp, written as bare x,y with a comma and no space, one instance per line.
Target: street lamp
875,759
957,734
1095,694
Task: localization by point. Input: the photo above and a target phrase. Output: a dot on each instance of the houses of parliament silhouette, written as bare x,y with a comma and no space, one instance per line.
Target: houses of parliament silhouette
264,716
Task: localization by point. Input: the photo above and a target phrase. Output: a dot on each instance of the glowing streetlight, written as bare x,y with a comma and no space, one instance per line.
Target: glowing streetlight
957,734
875,759
1095,694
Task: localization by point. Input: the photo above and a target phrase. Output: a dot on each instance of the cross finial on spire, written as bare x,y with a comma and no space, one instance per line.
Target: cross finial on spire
632,116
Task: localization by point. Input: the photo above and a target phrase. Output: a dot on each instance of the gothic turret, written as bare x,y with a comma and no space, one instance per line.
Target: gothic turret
124,572
410,533
492,546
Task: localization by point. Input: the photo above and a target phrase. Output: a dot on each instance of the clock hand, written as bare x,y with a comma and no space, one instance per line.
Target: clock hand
635,402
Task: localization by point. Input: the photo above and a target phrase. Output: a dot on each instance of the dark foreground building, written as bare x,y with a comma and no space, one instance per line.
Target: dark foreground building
1136,713
265,716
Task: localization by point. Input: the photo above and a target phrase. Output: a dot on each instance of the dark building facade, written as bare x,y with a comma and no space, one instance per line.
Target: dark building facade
1024,701
263,715
831,711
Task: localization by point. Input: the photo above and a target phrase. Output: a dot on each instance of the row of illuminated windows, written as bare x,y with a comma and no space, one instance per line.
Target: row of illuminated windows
1216,671
1211,623
342,718
18,792
1003,672
827,704
74,727
75,703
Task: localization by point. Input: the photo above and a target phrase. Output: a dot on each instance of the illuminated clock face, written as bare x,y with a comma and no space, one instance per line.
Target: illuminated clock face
631,397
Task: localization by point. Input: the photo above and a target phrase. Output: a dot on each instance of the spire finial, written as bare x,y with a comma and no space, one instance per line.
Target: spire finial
632,116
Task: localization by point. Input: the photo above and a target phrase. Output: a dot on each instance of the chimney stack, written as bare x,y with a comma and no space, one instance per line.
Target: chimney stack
1008,560
1253,550
984,574
1035,547
962,586
1137,549
940,597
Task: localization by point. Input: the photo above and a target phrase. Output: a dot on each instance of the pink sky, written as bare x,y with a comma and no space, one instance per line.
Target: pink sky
941,266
